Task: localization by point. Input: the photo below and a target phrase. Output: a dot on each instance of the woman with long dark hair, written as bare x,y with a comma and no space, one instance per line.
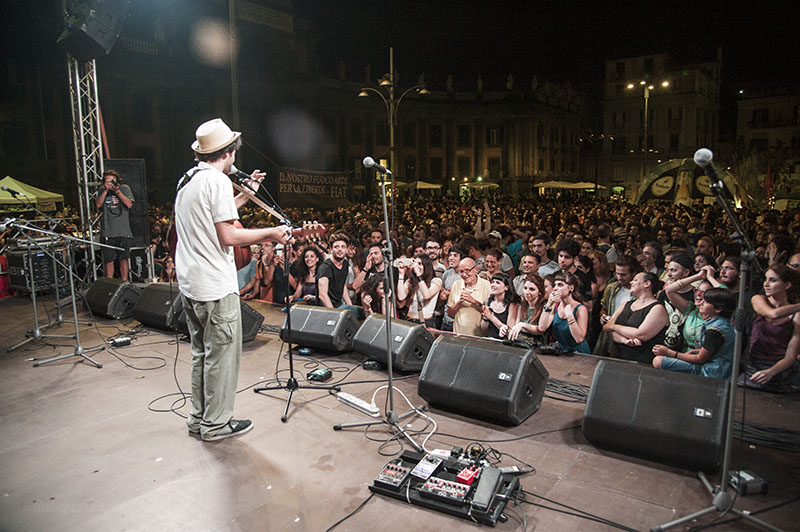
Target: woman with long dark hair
533,298
306,275
566,313
501,309
373,297
417,288
771,362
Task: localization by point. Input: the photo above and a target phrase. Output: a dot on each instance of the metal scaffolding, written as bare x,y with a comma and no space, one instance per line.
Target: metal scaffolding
86,134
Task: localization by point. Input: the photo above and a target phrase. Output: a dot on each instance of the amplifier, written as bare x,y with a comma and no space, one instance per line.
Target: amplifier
39,273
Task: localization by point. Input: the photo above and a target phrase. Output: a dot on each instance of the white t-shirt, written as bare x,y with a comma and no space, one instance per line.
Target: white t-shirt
205,268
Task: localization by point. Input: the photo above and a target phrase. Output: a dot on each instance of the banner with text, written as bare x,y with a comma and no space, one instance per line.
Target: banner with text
306,188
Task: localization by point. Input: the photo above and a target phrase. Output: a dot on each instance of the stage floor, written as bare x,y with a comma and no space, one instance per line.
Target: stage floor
82,449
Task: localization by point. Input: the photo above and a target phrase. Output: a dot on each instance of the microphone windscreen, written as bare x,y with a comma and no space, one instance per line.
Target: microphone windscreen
703,157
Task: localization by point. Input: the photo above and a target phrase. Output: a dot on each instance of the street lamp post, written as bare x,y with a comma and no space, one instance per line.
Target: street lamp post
392,104
647,88
593,139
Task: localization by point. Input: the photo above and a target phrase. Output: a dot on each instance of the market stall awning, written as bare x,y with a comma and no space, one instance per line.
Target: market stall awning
565,184
42,199
421,185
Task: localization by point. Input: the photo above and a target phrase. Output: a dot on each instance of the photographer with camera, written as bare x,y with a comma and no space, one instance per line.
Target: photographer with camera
116,200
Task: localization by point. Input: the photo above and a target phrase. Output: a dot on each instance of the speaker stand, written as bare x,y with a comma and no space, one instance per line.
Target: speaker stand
391,419
721,500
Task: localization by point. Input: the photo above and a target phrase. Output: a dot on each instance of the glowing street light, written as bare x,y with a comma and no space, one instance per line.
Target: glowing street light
647,87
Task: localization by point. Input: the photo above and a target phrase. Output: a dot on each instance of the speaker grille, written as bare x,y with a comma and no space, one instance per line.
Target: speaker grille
664,416
483,379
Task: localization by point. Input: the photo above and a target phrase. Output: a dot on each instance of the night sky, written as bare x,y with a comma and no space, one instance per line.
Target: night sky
558,41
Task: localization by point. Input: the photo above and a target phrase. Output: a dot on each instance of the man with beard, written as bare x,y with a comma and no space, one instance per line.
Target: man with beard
332,275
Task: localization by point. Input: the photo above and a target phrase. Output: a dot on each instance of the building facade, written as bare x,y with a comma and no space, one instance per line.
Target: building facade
682,100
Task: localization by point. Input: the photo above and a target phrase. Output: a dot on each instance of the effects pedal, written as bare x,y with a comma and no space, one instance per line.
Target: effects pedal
358,404
747,483
320,375
468,474
393,475
444,490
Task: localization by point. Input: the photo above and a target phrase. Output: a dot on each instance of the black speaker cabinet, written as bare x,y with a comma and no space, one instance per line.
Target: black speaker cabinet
329,329
411,342
663,416
134,175
112,298
92,27
483,379
251,322
159,306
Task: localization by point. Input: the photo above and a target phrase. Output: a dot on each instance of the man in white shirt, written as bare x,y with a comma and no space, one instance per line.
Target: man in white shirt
205,212
466,299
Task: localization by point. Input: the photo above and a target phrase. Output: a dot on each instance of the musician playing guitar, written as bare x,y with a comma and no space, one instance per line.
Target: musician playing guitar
205,212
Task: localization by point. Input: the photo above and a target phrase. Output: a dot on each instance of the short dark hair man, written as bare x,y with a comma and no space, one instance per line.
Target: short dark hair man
332,275
116,200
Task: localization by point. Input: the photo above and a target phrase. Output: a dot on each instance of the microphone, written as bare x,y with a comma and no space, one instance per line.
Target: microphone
238,174
10,190
703,158
4,225
369,162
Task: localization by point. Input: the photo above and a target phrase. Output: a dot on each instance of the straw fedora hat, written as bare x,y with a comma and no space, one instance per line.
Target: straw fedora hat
213,136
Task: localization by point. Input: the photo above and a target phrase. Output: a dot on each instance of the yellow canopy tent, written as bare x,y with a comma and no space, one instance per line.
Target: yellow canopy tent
42,199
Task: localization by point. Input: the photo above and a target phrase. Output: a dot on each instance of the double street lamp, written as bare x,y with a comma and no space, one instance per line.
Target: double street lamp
389,80
647,88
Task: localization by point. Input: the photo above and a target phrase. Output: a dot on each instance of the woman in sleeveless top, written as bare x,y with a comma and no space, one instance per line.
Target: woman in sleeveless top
568,317
306,275
771,363
641,323
533,298
501,309
417,288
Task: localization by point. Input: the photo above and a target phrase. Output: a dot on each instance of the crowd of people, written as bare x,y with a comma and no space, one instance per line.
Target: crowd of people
653,283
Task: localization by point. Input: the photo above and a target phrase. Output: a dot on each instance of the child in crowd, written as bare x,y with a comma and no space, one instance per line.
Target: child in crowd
715,356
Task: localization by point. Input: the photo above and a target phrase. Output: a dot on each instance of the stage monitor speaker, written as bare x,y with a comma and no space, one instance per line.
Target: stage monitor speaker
112,298
663,416
92,27
328,329
134,175
251,322
411,342
159,306
484,379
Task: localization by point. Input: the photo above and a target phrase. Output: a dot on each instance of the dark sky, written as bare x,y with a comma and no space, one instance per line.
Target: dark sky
557,40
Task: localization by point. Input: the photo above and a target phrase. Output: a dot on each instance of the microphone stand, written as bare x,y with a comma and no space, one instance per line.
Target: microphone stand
392,418
291,383
79,350
722,501
36,333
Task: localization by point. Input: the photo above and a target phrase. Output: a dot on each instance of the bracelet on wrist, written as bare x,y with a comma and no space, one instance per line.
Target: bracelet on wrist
546,309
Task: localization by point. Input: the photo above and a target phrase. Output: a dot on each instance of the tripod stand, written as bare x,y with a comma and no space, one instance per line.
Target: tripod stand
291,383
36,333
722,501
79,349
392,417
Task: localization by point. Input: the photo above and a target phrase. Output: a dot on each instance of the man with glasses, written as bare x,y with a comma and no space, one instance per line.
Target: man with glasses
465,302
434,249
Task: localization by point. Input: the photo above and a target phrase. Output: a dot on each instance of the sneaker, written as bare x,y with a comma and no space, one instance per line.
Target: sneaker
234,427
